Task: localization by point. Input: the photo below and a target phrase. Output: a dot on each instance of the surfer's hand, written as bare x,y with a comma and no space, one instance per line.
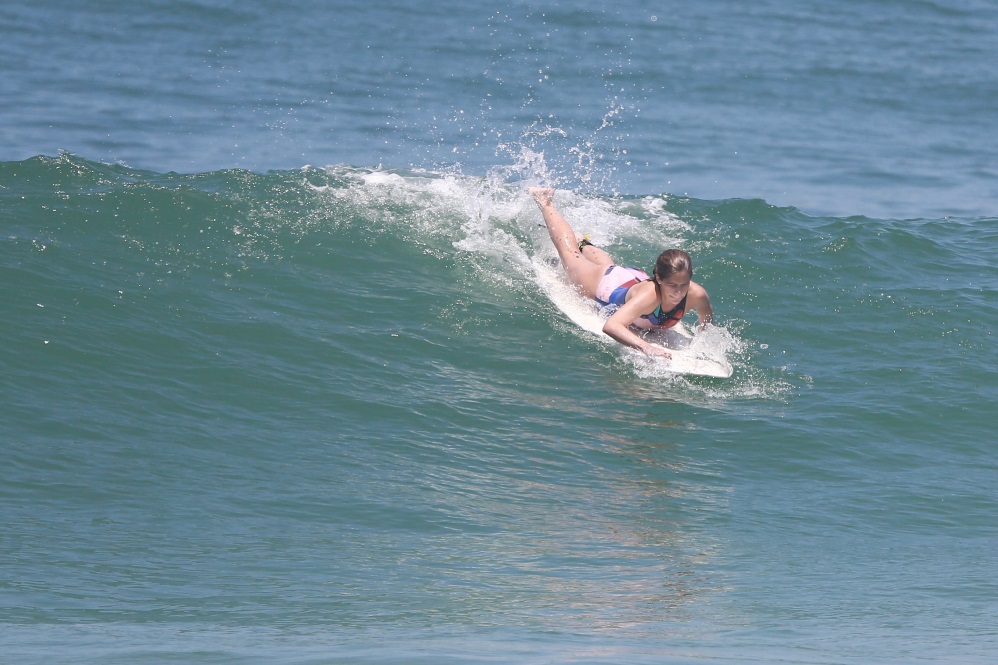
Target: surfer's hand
653,351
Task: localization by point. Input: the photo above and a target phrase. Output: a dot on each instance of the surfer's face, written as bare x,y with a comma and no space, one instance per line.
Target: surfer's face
674,287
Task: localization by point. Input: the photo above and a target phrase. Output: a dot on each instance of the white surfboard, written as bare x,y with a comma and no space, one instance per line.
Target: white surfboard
687,358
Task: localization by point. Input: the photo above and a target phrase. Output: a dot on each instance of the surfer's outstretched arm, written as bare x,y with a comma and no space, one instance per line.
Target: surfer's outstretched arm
700,301
618,326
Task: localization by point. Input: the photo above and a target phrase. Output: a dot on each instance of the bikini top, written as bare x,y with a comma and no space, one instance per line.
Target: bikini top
661,319
625,279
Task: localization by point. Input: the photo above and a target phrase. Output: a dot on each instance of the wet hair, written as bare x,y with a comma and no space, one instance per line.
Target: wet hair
672,261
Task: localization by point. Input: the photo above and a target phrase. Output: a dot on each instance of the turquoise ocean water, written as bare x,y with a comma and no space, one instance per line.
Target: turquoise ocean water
282,379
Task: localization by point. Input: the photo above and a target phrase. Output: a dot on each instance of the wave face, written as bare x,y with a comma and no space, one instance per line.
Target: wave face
334,414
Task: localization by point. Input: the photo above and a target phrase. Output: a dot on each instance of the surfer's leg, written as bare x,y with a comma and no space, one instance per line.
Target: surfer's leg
594,254
581,271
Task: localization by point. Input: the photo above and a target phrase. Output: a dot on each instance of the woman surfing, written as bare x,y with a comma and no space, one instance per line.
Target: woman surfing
641,302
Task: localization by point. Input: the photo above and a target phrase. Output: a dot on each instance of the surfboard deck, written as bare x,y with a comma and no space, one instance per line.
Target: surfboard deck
686,360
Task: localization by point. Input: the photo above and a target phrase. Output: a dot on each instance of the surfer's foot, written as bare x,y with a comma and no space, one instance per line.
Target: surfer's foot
543,195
